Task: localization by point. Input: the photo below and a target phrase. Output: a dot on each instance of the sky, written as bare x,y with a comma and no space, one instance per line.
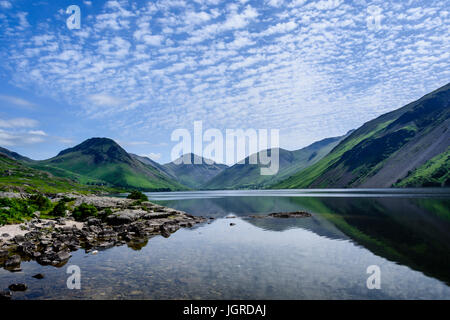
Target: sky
135,71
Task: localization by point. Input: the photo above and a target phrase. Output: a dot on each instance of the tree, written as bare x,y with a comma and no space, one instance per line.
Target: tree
84,211
137,195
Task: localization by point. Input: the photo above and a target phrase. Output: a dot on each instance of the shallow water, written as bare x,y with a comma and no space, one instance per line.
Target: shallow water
406,233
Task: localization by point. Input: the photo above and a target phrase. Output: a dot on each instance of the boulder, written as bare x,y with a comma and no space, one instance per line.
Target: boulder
13,261
3,253
125,216
5,295
19,239
18,287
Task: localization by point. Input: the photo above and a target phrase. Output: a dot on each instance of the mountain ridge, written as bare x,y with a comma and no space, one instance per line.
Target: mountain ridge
382,151
246,176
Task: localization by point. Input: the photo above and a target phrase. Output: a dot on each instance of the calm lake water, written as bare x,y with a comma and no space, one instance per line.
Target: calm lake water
404,232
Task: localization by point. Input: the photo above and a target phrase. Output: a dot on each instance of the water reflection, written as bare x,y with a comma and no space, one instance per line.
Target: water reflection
321,257
412,230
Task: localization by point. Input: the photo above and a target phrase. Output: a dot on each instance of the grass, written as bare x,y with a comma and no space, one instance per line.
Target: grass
16,176
16,210
435,172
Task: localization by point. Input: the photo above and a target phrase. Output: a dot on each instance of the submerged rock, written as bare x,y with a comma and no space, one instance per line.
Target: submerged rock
18,287
13,261
50,242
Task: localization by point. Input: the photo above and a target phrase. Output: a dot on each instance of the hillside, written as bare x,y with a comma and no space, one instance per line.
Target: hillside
17,176
382,152
196,174
434,173
248,176
13,155
101,160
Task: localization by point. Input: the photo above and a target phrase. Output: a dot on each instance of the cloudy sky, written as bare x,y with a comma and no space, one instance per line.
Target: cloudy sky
137,70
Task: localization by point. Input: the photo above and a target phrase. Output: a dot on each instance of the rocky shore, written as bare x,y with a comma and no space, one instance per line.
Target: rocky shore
119,222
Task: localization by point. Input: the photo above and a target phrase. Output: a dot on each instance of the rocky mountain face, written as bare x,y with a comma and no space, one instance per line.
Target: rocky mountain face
409,142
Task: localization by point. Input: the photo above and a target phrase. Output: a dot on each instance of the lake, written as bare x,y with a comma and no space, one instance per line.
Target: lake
405,233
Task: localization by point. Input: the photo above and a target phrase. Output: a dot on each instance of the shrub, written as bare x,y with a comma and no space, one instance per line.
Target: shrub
137,195
14,210
84,211
41,202
59,210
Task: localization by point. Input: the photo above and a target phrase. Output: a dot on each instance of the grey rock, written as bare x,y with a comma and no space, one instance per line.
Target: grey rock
19,239
5,295
13,261
18,287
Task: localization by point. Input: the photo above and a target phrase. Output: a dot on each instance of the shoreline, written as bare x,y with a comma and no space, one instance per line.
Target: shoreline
119,222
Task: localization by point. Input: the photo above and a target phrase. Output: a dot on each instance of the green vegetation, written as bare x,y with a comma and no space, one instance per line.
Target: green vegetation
42,203
137,195
18,210
377,154
18,176
59,210
248,176
193,175
434,173
102,162
84,211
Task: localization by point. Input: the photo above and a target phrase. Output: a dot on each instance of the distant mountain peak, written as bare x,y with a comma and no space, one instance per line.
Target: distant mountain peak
195,159
13,155
96,144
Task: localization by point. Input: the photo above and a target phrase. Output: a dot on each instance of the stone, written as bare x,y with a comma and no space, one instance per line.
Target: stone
63,255
38,276
3,253
19,239
18,287
5,295
13,261
94,222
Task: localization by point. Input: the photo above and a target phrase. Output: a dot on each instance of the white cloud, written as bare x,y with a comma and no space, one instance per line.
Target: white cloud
37,133
280,28
298,65
105,100
18,138
5,4
17,101
18,123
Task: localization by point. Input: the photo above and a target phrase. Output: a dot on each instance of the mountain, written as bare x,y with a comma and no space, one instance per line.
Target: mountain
101,160
195,174
19,176
13,155
397,146
248,176
434,173
149,162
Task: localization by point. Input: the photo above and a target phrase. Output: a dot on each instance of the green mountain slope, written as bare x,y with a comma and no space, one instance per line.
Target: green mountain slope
196,174
434,173
18,176
13,155
248,176
103,160
383,151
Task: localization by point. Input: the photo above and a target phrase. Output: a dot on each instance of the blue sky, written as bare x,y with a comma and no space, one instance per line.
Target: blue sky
137,70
